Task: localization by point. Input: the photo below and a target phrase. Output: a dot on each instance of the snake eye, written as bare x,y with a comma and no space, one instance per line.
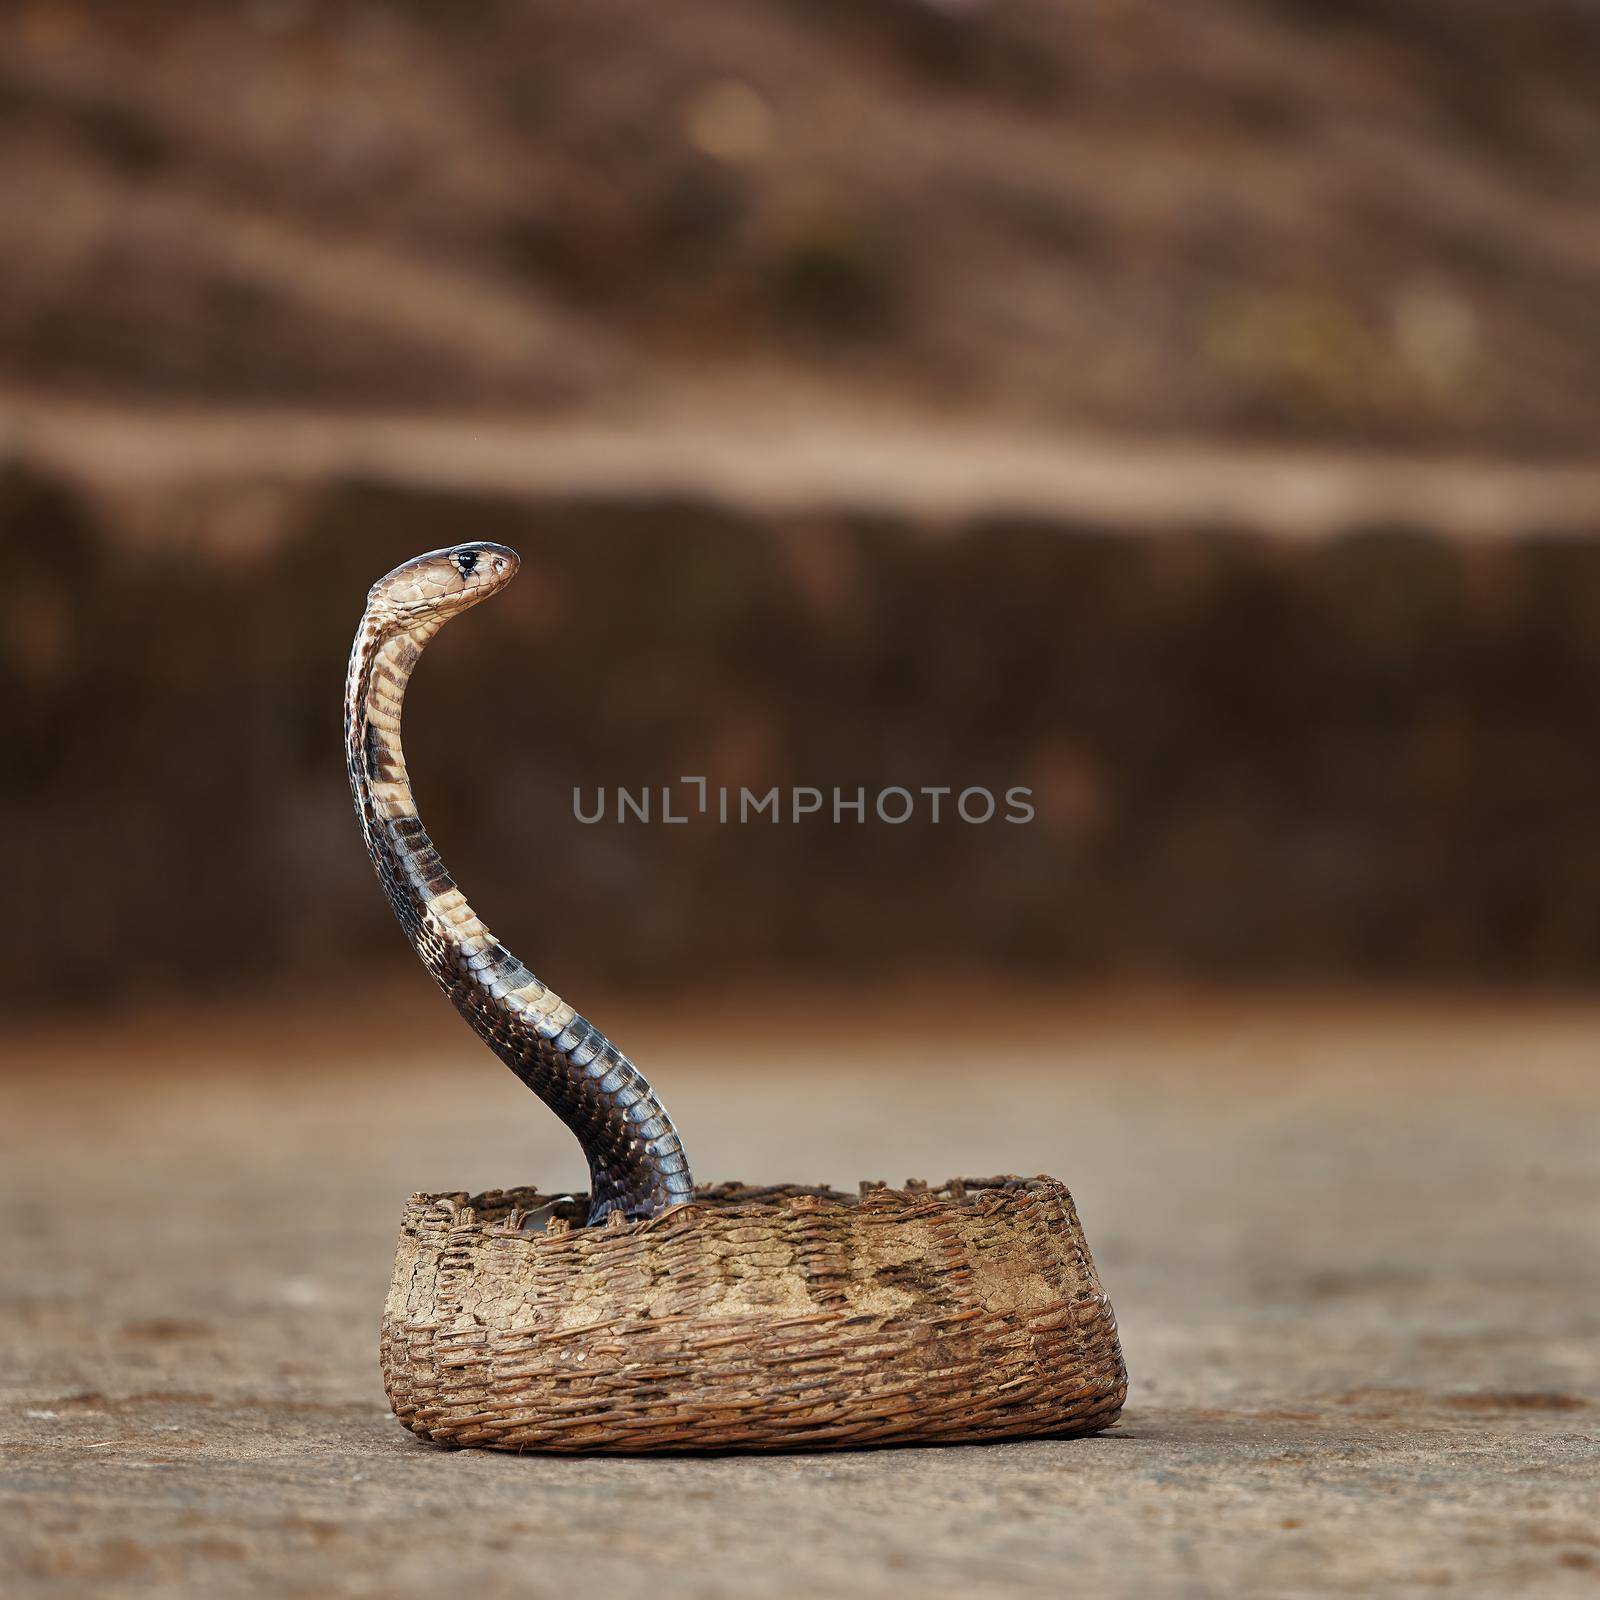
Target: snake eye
467,560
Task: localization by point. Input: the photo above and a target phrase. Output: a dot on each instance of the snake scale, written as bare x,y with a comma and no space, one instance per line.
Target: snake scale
636,1161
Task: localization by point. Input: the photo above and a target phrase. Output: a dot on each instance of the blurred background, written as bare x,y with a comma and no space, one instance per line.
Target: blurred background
1185,411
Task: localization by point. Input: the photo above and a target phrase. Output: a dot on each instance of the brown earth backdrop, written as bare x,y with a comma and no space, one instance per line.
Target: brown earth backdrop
1289,218
1186,412
1367,757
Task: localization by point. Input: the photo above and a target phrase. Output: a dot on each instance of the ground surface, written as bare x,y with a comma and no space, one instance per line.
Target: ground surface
1355,1251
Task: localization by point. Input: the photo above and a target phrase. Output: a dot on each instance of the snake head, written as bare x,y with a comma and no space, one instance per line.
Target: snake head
434,587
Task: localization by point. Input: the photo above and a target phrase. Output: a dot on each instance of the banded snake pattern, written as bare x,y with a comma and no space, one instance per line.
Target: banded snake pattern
637,1164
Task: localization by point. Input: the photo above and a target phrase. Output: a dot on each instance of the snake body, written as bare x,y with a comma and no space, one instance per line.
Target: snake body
636,1161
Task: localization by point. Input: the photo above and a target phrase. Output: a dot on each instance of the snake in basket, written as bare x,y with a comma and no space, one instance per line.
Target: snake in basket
637,1164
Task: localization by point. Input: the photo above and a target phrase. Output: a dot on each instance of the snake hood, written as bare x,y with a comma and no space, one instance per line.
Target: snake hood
637,1167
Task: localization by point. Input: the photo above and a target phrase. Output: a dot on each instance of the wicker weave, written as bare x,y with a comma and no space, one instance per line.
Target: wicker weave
782,1318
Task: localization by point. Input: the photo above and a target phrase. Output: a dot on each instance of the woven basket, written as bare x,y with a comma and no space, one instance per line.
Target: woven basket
753,1319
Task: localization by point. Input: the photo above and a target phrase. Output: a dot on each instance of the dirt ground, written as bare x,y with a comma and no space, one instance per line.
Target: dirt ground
1355,1250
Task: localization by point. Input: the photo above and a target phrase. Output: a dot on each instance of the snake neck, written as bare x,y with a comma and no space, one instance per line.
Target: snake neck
408,866
636,1161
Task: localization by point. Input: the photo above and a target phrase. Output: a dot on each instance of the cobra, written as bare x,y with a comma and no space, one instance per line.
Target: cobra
637,1165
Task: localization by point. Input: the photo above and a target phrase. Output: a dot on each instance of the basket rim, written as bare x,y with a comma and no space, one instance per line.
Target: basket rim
506,1213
